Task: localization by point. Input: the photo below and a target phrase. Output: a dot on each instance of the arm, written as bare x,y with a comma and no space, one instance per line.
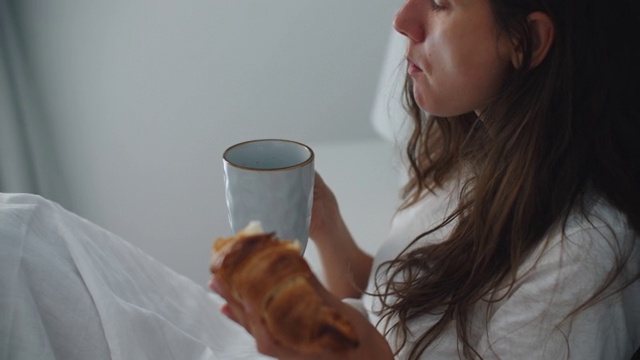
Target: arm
346,266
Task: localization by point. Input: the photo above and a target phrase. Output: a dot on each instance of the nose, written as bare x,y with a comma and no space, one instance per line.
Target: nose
408,21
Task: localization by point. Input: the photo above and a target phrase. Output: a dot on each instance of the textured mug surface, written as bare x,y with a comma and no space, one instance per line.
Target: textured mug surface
271,181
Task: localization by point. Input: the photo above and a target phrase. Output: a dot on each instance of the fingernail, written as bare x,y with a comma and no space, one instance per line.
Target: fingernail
213,286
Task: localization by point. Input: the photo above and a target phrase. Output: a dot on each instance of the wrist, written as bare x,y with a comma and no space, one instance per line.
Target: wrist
331,231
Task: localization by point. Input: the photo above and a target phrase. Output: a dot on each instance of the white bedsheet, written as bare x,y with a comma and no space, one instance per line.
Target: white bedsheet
71,290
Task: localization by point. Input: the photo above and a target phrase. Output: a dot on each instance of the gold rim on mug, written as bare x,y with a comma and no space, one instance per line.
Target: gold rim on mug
309,159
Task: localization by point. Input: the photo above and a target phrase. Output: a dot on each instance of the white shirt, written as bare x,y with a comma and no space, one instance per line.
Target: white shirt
523,324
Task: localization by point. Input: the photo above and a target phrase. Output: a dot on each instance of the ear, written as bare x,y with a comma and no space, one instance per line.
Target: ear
542,32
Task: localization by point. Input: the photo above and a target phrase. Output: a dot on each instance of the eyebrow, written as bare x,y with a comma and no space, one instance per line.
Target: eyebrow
460,2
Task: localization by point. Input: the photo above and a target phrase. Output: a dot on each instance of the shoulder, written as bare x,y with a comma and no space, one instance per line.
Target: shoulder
596,213
576,292
598,231
595,246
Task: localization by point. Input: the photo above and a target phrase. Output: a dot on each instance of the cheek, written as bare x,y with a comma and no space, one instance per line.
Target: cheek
463,72
487,80
451,86
434,89
468,79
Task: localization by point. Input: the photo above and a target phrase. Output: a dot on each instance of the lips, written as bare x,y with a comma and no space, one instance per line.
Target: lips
413,68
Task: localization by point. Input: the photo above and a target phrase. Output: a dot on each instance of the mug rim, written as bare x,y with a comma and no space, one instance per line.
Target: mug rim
304,163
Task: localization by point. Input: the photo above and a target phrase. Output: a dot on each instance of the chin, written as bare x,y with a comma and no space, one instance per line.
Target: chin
435,110
426,104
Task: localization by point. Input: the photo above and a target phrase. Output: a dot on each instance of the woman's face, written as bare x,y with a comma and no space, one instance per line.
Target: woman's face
457,61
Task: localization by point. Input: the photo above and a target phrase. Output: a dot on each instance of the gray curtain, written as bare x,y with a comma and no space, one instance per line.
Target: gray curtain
27,158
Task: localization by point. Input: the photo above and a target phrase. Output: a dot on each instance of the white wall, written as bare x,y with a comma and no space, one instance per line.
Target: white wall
143,96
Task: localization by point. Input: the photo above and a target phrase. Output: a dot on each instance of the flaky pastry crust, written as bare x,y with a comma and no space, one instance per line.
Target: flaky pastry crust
272,276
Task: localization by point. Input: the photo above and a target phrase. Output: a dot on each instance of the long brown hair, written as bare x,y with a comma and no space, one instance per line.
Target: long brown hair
556,131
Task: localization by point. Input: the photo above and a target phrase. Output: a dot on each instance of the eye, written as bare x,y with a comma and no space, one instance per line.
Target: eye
437,5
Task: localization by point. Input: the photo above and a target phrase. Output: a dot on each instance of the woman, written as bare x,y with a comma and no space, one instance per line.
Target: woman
518,237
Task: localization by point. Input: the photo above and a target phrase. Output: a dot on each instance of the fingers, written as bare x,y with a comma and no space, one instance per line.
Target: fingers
320,188
249,318
253,321
318,179
233,309
215,285
265,343
227,311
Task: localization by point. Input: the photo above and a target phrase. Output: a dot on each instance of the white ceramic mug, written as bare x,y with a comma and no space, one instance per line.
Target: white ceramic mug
271,181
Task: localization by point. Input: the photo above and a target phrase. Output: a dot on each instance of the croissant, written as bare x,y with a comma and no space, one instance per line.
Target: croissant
271,275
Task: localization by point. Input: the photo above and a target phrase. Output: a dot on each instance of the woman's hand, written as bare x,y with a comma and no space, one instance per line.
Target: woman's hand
325,214
346,266
372,344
